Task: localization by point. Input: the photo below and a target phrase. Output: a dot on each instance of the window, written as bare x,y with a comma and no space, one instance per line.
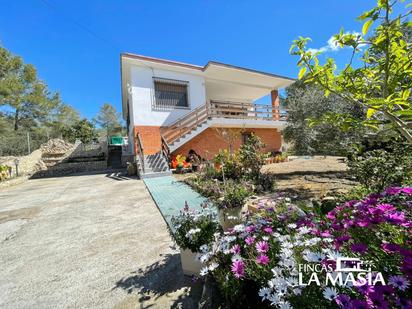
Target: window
246,136
170,93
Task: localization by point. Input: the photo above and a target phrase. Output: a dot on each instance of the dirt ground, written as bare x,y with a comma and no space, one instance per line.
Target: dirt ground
307,178
312,177
90,241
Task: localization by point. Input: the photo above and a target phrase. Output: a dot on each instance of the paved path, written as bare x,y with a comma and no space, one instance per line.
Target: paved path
95,241
170,196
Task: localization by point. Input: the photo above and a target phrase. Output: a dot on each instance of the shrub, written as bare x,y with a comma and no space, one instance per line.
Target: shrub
4,172
251,158
231,167
379,168
194,228
265,182
234,195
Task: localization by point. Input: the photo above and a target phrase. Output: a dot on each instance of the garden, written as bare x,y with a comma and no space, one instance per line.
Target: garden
353,250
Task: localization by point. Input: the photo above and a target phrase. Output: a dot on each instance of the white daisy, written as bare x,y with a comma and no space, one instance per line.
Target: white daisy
274,299
292,226
204,271
330,293
264,293
304,230
213,266
285,305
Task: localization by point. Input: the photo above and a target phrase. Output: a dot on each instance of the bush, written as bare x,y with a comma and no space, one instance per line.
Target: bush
251,158
4,172
194,228
379,168
234,195
231,167
265,182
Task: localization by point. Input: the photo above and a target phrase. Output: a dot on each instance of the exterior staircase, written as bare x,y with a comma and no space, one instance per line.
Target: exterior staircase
154,166
187,127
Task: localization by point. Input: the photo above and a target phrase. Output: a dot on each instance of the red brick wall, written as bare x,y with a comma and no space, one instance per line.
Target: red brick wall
150,137
208,143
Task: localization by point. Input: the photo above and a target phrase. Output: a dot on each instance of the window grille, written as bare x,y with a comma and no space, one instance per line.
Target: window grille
170,93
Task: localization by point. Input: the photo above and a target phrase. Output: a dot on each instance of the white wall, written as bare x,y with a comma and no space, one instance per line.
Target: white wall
142,88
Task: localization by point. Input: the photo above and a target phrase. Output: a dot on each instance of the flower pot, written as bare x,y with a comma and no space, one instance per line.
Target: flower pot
229,217
218,166
190,264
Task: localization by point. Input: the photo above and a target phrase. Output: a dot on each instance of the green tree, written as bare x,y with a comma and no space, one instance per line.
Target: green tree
20,89
83,130
305,102
382,84
109,119
64,117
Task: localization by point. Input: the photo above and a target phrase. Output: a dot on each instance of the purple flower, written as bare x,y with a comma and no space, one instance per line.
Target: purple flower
399,282
235,249
385,207
342,300
390,248
268,230
395,217
393,190
262,246
249,240
359,248
407,191
238,268
358,304
376,300
250,228
262,259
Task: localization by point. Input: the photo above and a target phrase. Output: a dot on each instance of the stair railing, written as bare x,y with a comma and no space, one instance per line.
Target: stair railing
140,151
185,124
165,150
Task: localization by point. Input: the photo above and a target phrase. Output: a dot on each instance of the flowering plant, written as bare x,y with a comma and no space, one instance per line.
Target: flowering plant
193,228
259,262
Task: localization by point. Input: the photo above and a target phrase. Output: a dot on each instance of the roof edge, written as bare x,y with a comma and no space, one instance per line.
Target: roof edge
198,67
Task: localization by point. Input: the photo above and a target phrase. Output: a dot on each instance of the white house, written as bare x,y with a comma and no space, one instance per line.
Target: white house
173,107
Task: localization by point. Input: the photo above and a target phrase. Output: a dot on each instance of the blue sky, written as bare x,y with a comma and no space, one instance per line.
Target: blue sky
75,45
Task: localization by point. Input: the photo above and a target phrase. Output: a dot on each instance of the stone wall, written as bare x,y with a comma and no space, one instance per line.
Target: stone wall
71,168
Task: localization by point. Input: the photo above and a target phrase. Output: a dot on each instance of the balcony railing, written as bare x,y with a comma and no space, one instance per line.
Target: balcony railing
237,110
218,109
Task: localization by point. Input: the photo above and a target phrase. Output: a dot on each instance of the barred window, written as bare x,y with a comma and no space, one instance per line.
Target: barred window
170,93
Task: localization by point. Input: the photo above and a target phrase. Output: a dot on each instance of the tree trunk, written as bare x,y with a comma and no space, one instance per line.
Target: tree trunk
16,120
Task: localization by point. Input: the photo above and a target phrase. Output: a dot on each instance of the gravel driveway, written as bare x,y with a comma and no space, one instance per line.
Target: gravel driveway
90,241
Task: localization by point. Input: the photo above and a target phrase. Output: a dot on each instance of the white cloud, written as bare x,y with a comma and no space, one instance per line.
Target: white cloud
332,45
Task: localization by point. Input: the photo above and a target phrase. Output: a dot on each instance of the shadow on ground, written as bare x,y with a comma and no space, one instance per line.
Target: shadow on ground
119,176
163,278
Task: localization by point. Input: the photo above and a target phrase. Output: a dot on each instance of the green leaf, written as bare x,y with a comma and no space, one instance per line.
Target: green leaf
366,26
302,72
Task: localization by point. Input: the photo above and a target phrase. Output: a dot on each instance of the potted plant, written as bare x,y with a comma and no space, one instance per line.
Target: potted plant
180,162
231,203
191,230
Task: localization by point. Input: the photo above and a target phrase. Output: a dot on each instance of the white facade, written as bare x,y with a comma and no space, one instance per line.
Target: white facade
142,95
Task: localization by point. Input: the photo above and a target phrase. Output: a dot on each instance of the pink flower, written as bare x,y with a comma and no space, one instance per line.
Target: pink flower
262,259
268,230
385,207
249,240
250,228
238,268
235,249
262,246
407,191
